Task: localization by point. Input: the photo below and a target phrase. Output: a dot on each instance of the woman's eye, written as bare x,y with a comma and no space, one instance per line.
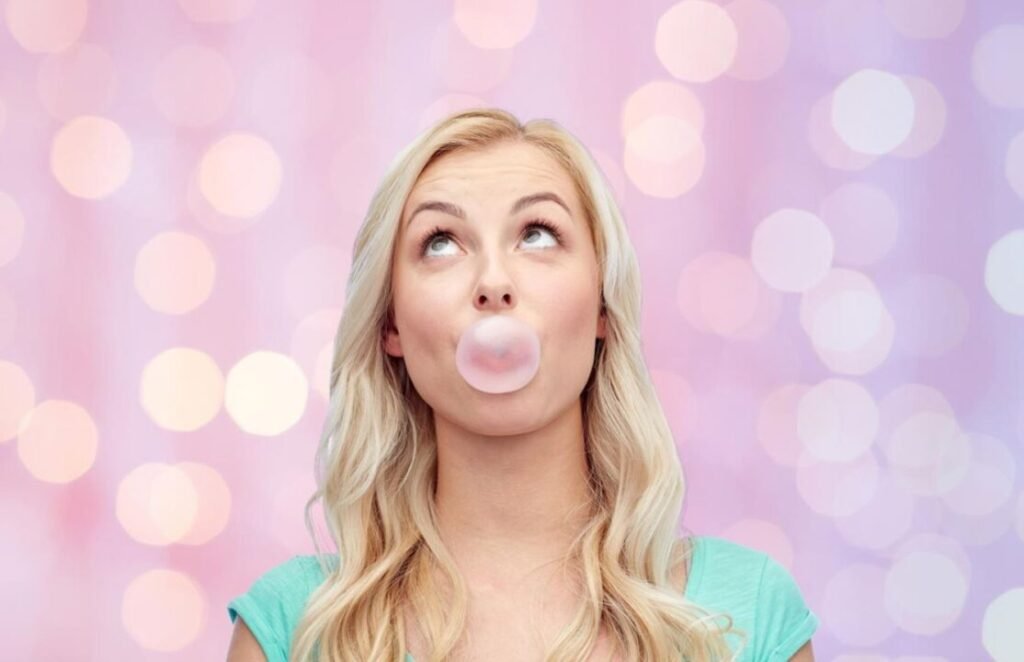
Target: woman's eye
439,235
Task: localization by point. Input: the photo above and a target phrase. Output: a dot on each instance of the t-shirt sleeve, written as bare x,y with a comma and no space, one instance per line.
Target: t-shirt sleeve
269,607
784,622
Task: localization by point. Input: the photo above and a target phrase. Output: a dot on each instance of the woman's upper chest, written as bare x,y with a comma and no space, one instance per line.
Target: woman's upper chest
518,626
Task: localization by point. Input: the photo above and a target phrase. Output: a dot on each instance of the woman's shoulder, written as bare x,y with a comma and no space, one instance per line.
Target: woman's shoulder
294,577
731,566
735,559
274,601
760,594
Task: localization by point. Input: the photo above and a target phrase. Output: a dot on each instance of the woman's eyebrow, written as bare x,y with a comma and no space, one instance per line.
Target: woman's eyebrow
454,210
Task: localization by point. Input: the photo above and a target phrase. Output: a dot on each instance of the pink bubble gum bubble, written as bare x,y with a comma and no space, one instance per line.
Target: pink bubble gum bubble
498,354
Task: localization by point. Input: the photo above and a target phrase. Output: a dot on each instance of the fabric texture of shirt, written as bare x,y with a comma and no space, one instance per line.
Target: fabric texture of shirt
757,591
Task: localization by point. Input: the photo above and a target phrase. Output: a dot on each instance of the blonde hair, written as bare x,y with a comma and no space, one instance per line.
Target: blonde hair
377,459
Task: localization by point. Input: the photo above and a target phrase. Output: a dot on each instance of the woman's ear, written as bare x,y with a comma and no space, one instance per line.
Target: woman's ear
391,342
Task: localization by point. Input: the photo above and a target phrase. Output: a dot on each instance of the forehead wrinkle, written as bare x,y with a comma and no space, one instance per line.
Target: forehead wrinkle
525,201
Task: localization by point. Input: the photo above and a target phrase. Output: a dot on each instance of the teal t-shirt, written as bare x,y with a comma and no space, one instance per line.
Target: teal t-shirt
757,591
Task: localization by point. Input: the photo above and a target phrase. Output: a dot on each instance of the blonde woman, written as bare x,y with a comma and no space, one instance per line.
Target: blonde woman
537,522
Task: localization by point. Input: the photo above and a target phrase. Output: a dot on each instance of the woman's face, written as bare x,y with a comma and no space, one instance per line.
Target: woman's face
491,261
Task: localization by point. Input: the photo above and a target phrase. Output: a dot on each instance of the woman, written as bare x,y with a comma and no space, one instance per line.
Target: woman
534,524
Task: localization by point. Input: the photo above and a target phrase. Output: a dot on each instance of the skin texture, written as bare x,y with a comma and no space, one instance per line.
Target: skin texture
244,647
804,654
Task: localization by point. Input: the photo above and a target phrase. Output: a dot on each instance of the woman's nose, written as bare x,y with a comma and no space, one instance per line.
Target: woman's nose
494,298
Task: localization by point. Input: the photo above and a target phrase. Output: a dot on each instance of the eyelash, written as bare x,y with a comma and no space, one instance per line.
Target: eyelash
537,222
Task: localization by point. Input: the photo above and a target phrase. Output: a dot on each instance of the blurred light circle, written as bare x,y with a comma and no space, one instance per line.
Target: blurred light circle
928,453
662,98
695,40
996,65
863,222
859,584
847,320
206,215
46,26
978,531
1004,272
495,24
929,118
848,324
240,175
843,313
884,520
1014,166
57,441
213,501
655,176
216,11
173,502
837,489
718,293
873,111
1001,633
791,250
161,504
762,39
91,157
663,139
131,505
989,480
159,266
181,389
163,610
266,393
925,592
777,424
826,143
837,420
865,357
662,124
925,19
907,400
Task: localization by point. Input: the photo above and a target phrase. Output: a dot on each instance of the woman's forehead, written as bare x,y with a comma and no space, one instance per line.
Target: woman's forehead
499,163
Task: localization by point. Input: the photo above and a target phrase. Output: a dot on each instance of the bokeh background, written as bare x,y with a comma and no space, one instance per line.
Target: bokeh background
826,199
